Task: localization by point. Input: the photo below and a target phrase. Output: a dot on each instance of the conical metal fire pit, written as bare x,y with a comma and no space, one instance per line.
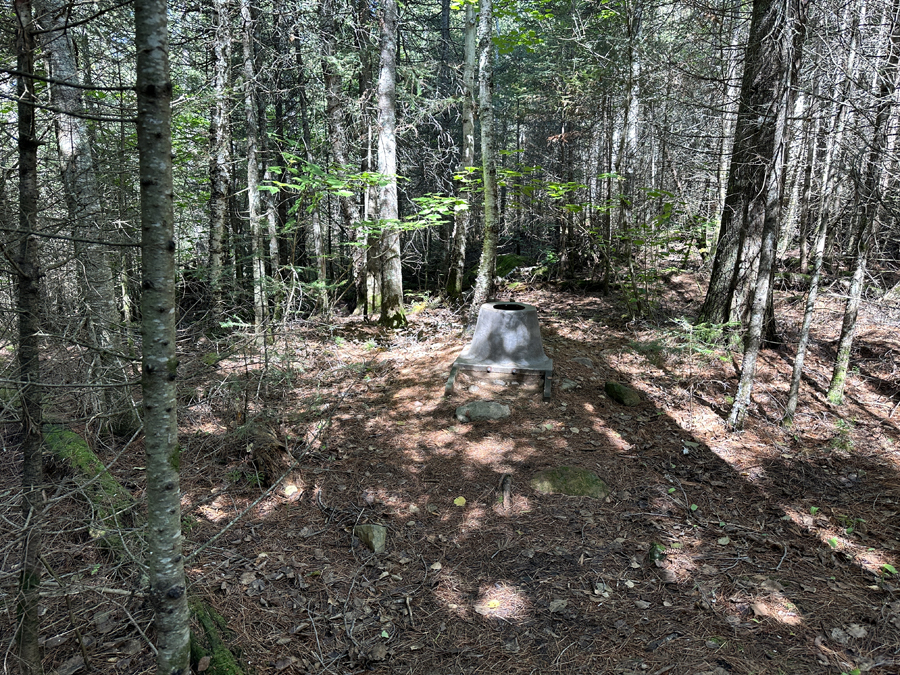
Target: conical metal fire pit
507,339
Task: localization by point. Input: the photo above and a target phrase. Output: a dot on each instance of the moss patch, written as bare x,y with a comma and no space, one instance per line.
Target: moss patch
569,480
112,504
209,642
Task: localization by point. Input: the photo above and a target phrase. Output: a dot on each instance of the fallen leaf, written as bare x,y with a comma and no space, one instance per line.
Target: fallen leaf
558,605
248,578
460,501
642,604
724,541
436,566
203,664
759,609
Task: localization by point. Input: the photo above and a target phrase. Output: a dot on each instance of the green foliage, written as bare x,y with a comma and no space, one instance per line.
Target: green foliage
843,441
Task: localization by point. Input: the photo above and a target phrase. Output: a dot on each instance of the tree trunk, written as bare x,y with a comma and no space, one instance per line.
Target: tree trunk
467,158
871,201
484,282
735,267
392,314
84,204
790,23
28,306
254,203
166,567
220,153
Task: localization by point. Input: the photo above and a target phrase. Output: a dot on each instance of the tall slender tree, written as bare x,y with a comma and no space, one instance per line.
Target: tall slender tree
220,151
168,591
467,154
255,213
392,313
487,266
28,306
870,198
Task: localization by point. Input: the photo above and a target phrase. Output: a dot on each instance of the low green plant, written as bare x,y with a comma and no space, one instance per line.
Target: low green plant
843,441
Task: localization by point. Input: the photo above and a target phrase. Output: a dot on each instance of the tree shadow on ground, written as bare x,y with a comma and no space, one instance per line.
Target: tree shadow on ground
772,559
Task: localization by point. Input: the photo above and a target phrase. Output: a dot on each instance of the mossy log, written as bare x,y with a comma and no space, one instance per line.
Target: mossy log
112,506
208,646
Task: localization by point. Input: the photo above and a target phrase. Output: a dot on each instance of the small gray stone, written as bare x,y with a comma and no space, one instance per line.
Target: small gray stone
481,410
567,384
622,394
584,361
473,388
373,536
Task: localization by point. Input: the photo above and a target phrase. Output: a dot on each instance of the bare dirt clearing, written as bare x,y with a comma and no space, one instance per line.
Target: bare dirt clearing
757,552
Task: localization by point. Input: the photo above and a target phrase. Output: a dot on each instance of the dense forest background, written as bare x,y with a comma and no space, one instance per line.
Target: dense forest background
340,158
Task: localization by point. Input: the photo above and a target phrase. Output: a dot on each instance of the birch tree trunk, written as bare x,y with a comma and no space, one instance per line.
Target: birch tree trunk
28,306
254,203
220,155
392,314
158,314
484,282
84,204
467,157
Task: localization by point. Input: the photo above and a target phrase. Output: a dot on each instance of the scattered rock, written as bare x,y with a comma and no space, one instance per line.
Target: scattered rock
482,410
622,394
567,384
373,536
584,361
569,480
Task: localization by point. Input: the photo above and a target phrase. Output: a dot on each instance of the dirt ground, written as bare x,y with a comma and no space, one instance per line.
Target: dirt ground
777,549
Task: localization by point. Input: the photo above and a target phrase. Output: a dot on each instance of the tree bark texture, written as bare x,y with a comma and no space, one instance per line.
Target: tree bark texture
392,314
254,202
484,282
220,155
790,23
738,247
168,594
28,306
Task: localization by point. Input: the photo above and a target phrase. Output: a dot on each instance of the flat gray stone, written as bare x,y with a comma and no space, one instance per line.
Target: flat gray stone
373,536
584,361
622,394
482,410
570,480
567,384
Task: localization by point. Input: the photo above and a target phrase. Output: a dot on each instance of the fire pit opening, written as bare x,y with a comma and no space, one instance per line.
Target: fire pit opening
509,306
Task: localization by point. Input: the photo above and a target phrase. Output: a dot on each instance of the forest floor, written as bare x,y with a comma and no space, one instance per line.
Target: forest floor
780,543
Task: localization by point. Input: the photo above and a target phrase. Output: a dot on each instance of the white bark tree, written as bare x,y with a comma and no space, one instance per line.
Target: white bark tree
168,592
392,314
